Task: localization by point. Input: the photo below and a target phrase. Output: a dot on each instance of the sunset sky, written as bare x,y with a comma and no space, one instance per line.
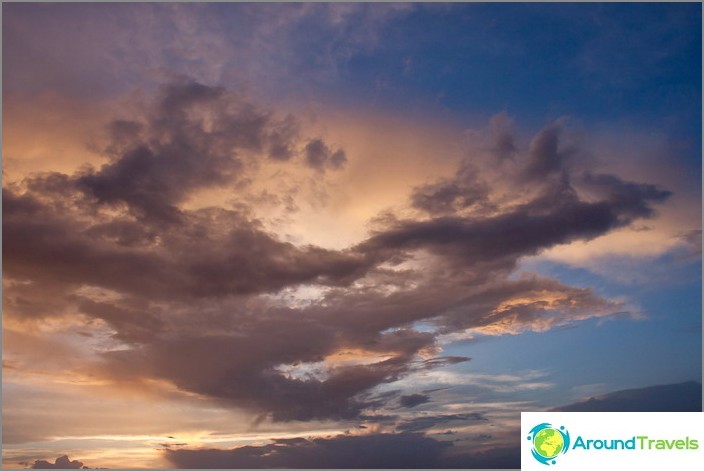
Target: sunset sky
342,235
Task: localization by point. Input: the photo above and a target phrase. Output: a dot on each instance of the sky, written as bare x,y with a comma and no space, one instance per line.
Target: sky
343,235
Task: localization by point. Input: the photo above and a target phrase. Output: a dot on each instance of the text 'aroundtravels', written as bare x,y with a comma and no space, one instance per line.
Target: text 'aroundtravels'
641,442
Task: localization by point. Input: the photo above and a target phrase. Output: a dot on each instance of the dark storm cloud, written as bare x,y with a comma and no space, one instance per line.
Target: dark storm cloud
320,157
449,196
630,200
407,450
413,400
193,137
132,325
680,397
212,252
240,368
544,156
524,231
464,191
557,214
546,163
62,462
187,285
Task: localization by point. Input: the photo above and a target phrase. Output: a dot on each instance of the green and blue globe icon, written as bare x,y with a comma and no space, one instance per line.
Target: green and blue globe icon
549,442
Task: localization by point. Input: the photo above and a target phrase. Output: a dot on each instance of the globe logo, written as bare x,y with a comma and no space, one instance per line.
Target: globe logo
548,442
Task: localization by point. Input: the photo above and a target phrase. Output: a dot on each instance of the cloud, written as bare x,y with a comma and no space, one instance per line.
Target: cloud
320,157
197,293
277,50
524,231
544,156
413,400
408,450
211,252
240,369
495,210
680,397
194,136
692,241
373,451
426,422
443,361
62,462
451,195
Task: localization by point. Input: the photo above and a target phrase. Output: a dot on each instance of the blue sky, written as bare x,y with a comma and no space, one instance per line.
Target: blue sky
307,226
596,62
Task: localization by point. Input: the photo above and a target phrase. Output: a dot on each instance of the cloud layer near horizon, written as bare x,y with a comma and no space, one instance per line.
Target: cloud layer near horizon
189,296
407,449
380,451
681,397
